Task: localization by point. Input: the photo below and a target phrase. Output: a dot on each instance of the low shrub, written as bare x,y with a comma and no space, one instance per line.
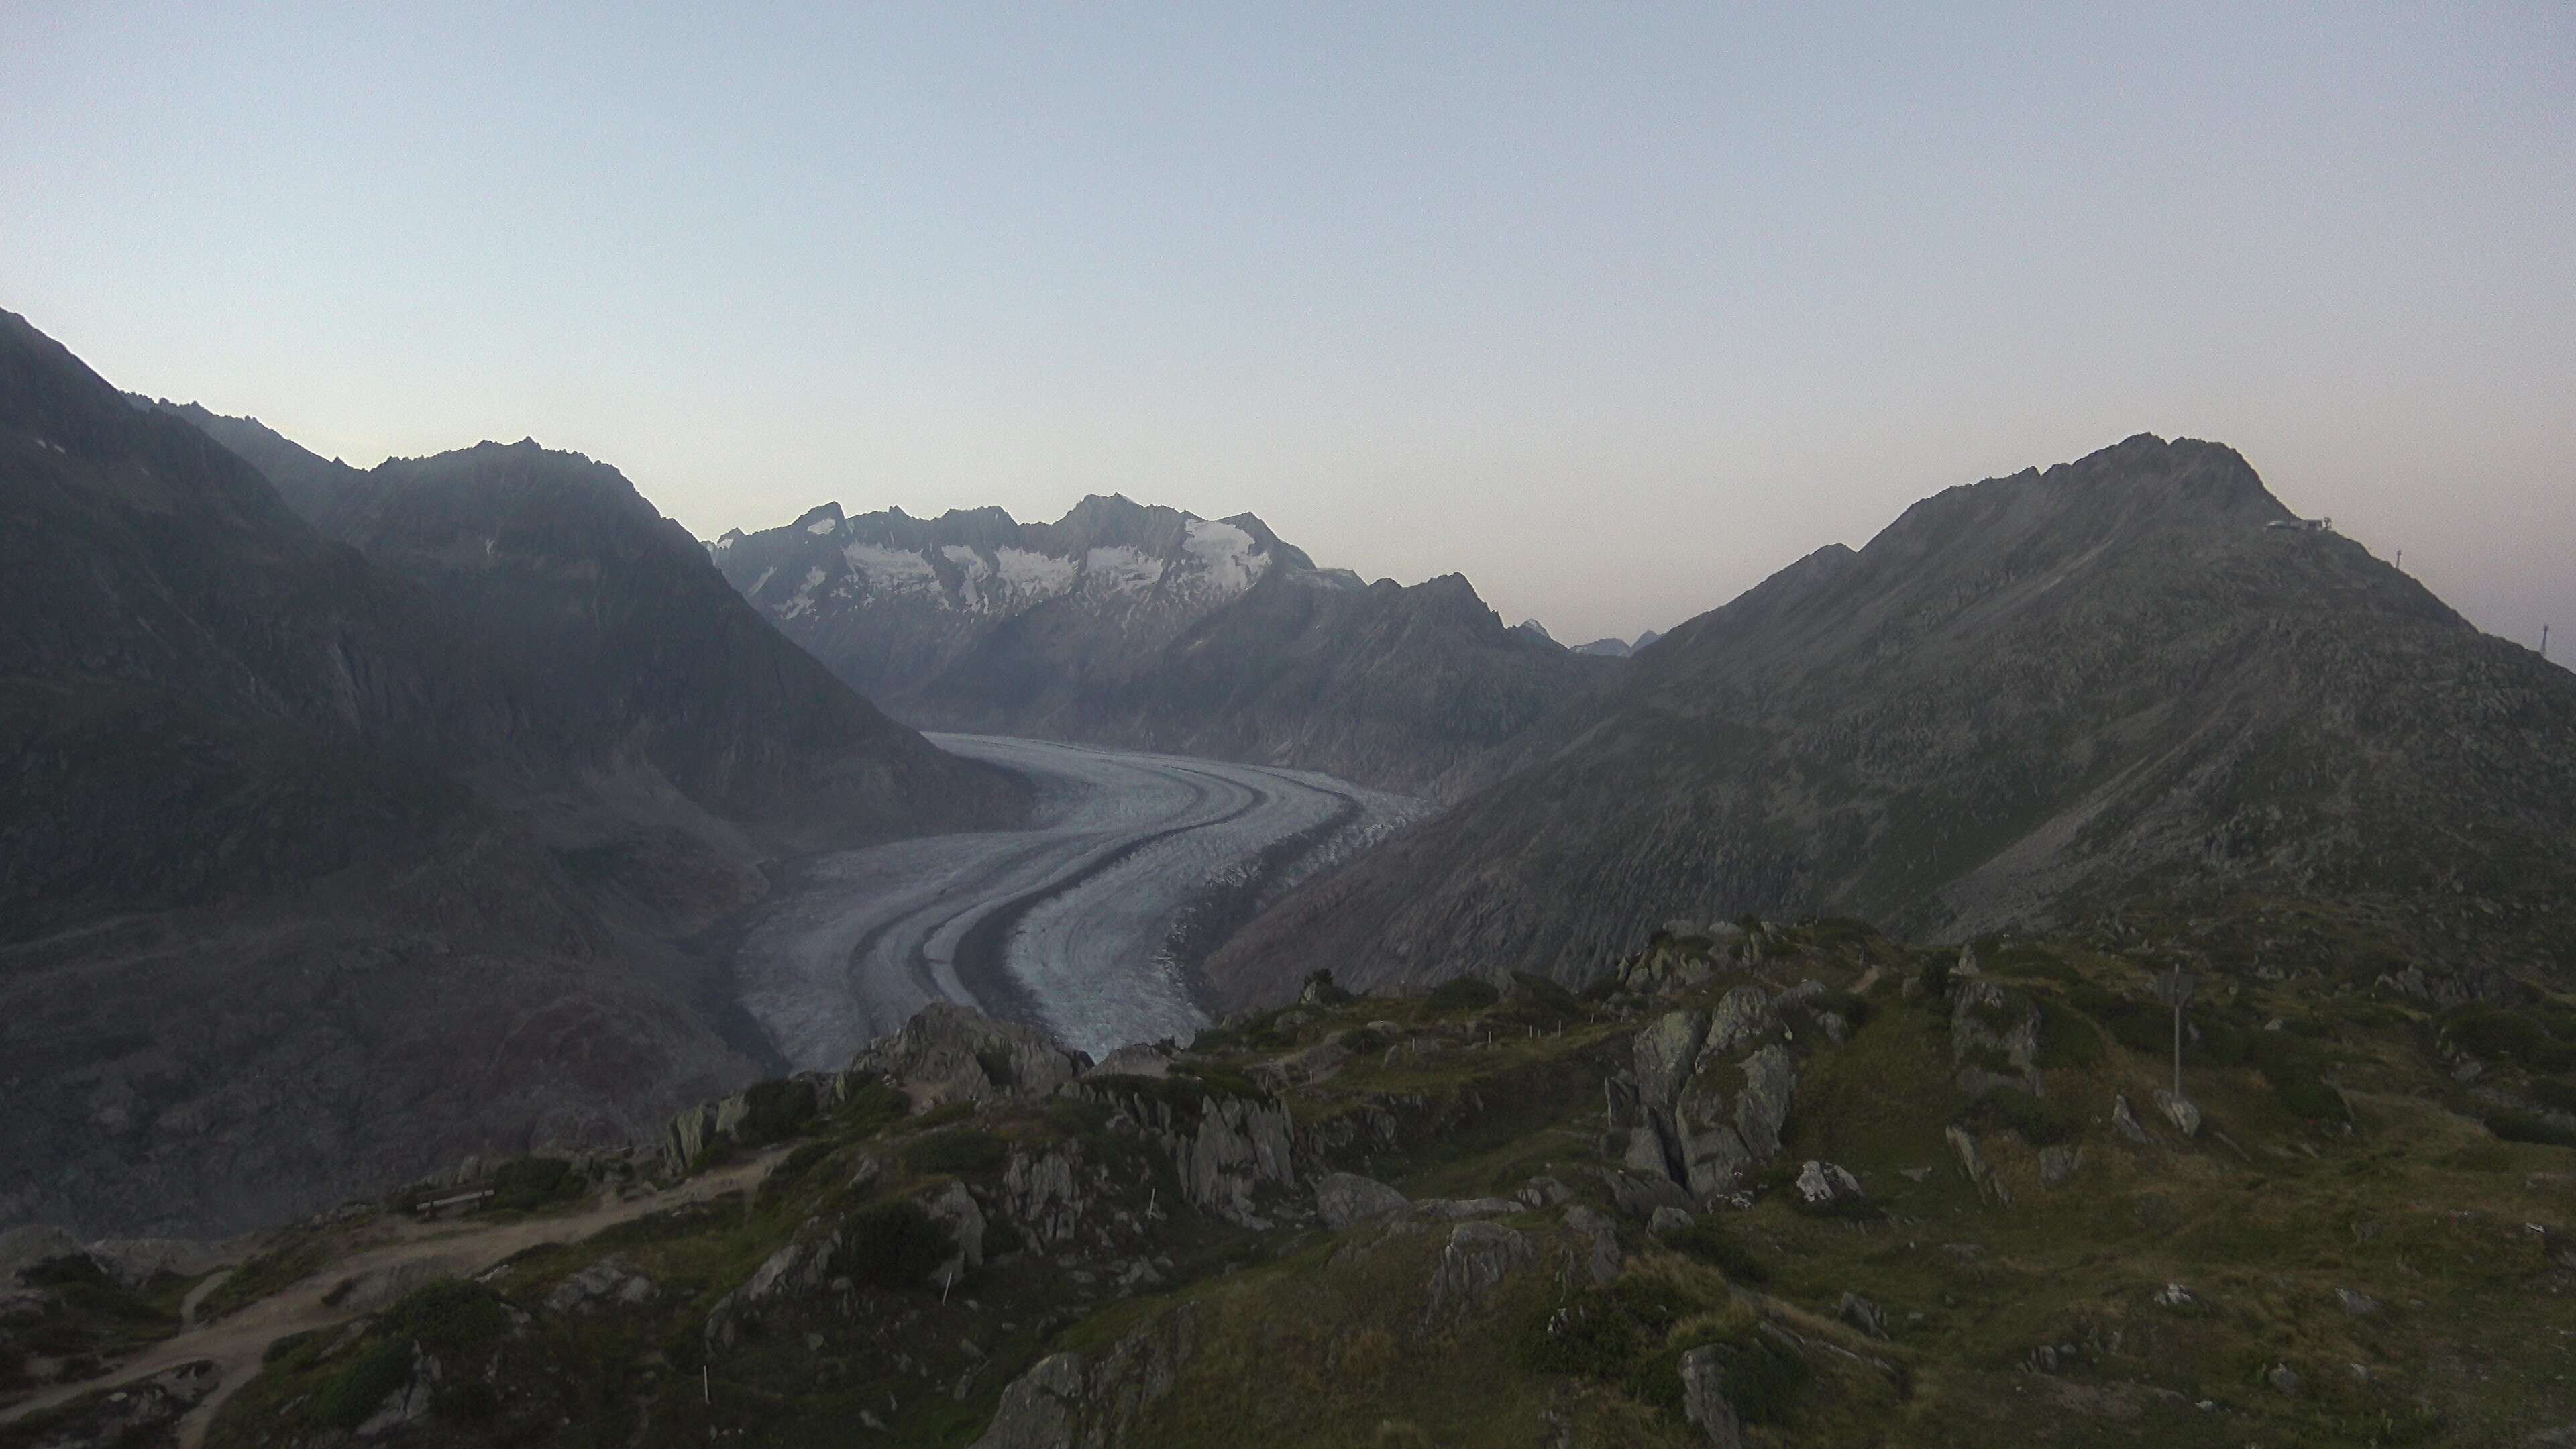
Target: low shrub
2066,1040
63,1272
2515,1125
526,1184
1362,1042
894,1245
348,1397
1602,1332
2035,1120
1463,993
774,1112
2524,1038
1714,1246
960,1151
2554,1094
448,1315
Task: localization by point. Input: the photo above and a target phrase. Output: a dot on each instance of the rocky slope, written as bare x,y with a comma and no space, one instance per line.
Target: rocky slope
2115,685
1154,629
312,872
1764,1185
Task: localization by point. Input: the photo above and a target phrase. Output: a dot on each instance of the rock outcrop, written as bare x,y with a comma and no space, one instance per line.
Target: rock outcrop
953,1053
1094,1401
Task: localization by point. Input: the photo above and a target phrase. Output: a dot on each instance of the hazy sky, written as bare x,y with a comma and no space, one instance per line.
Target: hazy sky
1615,309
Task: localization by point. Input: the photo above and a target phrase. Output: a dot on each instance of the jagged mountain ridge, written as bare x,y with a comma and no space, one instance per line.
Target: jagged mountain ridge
311,878
2029,700
1148,627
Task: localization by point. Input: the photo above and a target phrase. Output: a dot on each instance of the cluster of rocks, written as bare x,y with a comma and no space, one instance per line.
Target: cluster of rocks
1709,1091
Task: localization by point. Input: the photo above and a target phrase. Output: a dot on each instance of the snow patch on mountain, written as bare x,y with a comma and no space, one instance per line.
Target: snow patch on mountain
1036,575
1225,555
895,570
1120,569
804,600
822,525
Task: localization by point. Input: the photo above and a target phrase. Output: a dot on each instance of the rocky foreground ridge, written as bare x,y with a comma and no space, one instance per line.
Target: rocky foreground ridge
1762,1185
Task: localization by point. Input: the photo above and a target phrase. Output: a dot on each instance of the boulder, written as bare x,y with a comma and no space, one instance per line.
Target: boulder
1478,1257
1862,1314
2126,1121
1826,1184
2180,1111
1141,1059
1770,1082
1665,1053
2359,1305
1742,1015
1990,1025
1704,1400
610,1280
1666,1221
1344,1198
955,1209
2060,1163
952,1053
1545,1192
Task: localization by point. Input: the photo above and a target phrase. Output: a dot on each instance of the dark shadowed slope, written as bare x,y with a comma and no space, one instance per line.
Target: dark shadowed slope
1151,628
307,879
2031,700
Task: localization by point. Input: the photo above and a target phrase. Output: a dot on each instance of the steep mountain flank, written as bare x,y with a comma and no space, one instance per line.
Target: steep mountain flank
2111,685
1151,628
311,874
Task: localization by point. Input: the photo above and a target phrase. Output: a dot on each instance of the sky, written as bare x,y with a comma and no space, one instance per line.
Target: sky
1614,309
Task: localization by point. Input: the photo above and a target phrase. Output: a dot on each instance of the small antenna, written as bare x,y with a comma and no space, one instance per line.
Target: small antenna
2544,641
2401,560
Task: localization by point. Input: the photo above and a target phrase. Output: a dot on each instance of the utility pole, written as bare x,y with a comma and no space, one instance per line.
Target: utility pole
2544,641
2173,988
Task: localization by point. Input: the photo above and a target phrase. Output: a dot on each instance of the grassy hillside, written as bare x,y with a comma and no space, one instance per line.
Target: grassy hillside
2363,1242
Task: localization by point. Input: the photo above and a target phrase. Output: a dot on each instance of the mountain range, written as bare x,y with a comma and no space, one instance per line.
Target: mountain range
1151,628
2134,687
328,853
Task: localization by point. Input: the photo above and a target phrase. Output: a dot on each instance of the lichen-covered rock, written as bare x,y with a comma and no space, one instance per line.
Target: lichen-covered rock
1094,1401
2124,1121
1241,1144
1478,1257
1138,1059
1862,1314
610,1280
1663,1222
1994,1035
1665,1053
2182,1112
953,1053
1742,1015
1344,1198
955,1209
2059,1164
1826,1184
1770,1084
1040,1192
1704,1400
